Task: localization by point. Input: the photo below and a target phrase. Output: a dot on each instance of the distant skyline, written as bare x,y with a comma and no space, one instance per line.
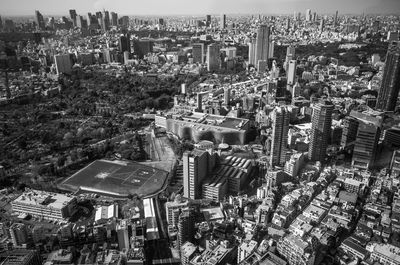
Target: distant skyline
197,7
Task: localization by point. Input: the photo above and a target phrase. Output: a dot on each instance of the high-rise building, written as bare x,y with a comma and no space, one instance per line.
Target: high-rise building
198,52
124,43
336,18
195,169
280,119
271,49
19,234
39,20
213,57
291,73
63,63
186,229
171,206
1,24
262,43
320,131
81,22
366,143
114,19
321,25
73,16
350,127
227,96
223,21
252,52
308,15
390,85
106,21
123,235
208,20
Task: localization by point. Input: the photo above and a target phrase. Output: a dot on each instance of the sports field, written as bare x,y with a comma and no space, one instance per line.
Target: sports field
118,178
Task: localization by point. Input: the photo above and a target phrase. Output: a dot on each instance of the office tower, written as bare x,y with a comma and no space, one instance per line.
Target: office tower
280,119
106,21
81,22
395,164
73,16
123,235
39,21
366,143
198,52
262,43
223,21
291,73
1,24
124,21
19,234
124,43
171,206
227,96
213,59
195,169
114,19
208,20
336,18
349,134
186,227
271,49
320,131
390,85
252,52
21,257
321,25
288,24
308,15
63,63
314,17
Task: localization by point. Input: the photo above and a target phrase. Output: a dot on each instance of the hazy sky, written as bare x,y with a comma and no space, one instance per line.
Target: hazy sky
196,7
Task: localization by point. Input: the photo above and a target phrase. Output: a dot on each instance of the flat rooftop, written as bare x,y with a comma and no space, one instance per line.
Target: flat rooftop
43,198
117,178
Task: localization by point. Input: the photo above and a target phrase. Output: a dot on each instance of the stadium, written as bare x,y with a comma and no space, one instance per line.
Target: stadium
116,179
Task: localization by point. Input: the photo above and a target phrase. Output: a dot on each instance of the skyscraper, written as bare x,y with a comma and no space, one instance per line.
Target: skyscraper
320,131
321,25
336,18
114,19
106,21
350,127
213,58
308,15
390,86
368,134
124,43
271,49
186,227
198,52
291,73
280,118
73,16
252,52
223,21
262,44
208,20
39,20
195,169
